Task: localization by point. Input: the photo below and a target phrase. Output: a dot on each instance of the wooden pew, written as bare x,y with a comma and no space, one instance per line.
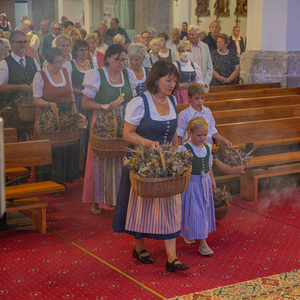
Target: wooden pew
24,154
10,135
264,133
243,87
247,103
254,114
251,94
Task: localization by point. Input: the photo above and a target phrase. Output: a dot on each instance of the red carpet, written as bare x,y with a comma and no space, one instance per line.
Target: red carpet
254,240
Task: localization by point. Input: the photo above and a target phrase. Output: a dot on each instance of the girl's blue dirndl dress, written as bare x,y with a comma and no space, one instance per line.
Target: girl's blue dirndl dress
155,131
197,204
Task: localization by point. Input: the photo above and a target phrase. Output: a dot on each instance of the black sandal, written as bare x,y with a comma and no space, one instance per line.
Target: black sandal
143,259
172,267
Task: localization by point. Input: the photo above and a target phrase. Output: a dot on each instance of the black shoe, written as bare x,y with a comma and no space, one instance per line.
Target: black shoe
143,259
172,267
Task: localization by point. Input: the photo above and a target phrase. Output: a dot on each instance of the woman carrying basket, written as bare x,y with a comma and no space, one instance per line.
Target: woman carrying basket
151,119
103,86
52,90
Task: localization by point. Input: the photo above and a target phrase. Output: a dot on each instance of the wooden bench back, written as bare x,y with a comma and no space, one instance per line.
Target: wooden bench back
247,103
254,114
251,94
243,87
26,154
261,131
10,135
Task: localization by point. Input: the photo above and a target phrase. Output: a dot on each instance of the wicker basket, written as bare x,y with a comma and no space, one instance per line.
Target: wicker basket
27,112
60,138
159,187
221,212
108,147
230,170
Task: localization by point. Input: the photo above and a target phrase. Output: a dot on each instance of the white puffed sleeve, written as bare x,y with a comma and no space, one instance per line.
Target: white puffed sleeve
69,68
38,85
135,111
133,82
91,82
199,76
181,148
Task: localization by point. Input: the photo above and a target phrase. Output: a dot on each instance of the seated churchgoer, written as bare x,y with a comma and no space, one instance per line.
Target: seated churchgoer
189,72
136,54
226,65
236,42
174,42
95,56
155,46
119,39
74,35
64,43
164,53
101,46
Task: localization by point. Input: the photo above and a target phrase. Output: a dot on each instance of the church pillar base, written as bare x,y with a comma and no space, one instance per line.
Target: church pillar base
271,66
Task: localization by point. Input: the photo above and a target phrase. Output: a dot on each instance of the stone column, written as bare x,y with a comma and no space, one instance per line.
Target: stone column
273,48
87,15
153,13
39,10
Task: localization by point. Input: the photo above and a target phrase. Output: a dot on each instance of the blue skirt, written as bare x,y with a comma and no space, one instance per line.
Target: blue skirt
197,208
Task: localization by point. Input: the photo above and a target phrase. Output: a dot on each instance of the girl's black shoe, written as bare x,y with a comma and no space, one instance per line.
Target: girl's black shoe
143,259
172,267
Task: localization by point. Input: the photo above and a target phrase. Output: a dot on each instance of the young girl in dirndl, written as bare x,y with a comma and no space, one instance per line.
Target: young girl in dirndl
197,204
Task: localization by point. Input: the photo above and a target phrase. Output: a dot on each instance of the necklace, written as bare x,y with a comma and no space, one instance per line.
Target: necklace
114,80
82,65
159,100
138,74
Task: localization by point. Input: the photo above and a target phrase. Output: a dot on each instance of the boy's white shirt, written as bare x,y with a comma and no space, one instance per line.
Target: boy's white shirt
188,114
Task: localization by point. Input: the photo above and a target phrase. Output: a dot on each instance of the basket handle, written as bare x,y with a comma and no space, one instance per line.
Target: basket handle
237,152
163,162
57,119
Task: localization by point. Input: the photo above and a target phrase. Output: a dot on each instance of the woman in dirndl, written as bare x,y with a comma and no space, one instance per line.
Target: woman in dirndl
52,89
78,67
151,119
136,54
103,86
189,72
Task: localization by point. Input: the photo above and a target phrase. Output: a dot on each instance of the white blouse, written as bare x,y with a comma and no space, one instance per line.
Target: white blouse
92,82
144,76
69,68
187,67
38,83
135,110
200,152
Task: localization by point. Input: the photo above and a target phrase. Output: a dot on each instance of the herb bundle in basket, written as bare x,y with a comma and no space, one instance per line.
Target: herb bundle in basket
230,160
26,106
106,138
148,163
222,200
62,129
159,174
109,126
51,122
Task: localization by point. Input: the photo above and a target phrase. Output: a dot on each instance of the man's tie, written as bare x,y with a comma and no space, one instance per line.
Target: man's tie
22,62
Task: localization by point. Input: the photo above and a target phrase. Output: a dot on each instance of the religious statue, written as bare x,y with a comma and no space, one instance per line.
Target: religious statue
241,8
201,9
221,8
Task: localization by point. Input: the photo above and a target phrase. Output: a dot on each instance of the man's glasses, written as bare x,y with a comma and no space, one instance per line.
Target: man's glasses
21,42
55,28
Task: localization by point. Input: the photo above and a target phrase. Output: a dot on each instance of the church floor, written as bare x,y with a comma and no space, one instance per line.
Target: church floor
80,257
